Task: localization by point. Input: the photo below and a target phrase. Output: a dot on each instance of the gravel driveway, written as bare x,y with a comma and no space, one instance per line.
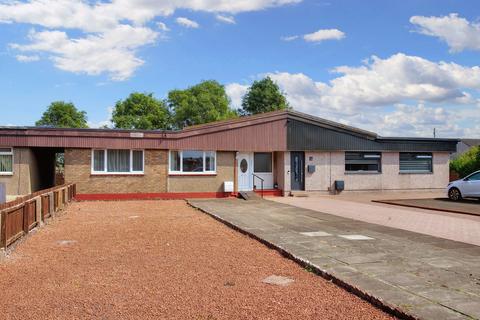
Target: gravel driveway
159,260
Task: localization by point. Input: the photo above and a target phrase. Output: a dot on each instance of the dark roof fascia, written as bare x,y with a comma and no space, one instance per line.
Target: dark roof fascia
471,142
86,130
417,139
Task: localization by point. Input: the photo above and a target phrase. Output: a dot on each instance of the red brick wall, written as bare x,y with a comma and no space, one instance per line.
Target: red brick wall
154,179
205,183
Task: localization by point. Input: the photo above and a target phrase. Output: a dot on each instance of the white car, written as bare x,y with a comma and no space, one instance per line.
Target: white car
468,187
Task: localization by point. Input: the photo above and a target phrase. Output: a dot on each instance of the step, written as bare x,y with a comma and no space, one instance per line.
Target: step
249,195
270,192
299,193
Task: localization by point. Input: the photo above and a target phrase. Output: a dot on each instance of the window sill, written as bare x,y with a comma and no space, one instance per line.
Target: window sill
126,174
361,172
6,174
415,172
192,174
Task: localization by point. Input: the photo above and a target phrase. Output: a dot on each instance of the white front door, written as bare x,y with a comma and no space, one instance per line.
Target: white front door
245,170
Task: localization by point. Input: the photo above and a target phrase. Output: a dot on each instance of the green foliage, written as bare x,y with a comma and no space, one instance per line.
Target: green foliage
141,111
263,96
202,103
62,114
467,163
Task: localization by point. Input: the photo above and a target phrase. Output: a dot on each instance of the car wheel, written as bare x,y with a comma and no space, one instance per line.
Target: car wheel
454,194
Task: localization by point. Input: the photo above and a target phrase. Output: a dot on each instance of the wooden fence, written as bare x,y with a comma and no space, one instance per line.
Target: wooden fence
18,217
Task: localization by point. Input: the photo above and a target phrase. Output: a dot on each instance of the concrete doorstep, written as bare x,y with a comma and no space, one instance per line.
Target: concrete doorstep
410,275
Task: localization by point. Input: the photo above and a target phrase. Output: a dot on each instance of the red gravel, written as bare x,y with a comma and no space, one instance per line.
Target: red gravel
159,260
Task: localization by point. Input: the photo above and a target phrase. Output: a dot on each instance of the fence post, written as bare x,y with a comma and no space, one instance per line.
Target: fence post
3,193
52,199
25,217
3,230
38,210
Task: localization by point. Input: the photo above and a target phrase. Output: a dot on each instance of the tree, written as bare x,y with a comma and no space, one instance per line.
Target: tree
467,163
62,114
202,103
263,96
141,111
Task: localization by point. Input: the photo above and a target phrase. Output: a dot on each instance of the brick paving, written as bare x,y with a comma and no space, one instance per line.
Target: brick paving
452,226
467,206
159,260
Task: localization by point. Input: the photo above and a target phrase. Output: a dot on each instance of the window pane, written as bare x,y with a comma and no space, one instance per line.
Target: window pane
174,161
363,161
137,159
474,177
99,160
6,163
118,160
209,161
262,162
192,161
420,162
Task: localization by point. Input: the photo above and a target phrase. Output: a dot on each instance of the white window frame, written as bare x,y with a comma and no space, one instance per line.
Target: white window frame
8,173
188,173
105,169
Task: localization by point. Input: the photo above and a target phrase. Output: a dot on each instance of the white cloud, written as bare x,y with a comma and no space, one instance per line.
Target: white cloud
289,38
318,36
236,91
324,34
419,120
100,21
187,23
225,19
112,51
364,95
98,15
162,26
457,32
24,58
382,82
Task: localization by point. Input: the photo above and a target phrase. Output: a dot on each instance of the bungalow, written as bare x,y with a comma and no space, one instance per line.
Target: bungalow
285,151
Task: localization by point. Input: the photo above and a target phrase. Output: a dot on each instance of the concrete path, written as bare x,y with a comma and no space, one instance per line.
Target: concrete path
424,276
453,226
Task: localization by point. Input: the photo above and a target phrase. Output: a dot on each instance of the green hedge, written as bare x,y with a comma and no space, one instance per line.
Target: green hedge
467,163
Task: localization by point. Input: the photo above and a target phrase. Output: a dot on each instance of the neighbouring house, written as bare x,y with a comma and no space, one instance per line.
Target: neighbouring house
287,150
464,145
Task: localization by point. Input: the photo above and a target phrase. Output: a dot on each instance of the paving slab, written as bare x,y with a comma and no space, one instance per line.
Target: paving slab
419,275
278,280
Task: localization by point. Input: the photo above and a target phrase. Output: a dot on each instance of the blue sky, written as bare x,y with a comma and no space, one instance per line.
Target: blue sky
393,67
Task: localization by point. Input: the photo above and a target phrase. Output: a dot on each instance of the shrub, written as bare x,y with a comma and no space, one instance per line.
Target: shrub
467,163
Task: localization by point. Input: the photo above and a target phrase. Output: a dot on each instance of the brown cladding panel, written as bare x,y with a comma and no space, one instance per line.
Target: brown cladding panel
266,136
